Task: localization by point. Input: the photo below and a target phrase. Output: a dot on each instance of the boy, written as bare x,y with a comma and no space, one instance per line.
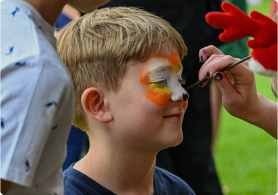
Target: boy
37,97
125,64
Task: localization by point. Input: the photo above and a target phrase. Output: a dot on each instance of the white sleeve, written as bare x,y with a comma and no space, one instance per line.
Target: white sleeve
32,99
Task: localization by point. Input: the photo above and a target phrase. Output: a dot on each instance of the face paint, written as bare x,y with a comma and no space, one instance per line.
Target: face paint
185,104
162,76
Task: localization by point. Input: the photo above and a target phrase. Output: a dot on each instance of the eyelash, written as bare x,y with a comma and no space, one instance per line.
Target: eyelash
164,82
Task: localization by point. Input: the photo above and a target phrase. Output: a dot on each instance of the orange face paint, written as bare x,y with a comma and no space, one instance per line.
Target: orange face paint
185,103
158,93
175,62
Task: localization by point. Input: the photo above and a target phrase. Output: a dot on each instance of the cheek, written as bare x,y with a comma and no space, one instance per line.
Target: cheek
148,116
159,96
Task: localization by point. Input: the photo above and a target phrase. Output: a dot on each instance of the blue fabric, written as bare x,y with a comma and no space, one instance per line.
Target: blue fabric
74,146
62,21
165,183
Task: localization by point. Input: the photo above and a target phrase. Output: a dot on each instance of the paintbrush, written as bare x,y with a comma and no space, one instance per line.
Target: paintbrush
224,69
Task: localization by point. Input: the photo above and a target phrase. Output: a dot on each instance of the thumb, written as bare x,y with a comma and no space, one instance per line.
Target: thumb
228,91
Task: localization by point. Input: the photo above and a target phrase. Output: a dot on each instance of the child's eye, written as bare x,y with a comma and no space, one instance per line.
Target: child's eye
182,81
162,82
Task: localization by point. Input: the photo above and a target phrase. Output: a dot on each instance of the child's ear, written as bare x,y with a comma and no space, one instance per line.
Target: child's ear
93,102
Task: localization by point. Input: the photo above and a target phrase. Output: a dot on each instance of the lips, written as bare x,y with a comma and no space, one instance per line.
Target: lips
174,116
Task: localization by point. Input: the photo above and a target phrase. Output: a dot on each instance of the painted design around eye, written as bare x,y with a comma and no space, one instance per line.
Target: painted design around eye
158,66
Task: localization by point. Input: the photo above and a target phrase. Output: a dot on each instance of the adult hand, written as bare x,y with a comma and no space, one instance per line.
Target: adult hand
237,84
238,88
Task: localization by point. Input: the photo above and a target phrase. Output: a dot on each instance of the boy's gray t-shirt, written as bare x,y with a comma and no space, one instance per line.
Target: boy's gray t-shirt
37,98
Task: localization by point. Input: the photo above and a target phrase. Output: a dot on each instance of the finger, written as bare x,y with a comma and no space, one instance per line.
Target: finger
215,65
204,71
206,64
229,93
230,76
241,75
208,51
222,63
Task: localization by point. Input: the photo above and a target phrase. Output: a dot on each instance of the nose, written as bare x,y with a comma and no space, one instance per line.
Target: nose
181,95
178,92
185,96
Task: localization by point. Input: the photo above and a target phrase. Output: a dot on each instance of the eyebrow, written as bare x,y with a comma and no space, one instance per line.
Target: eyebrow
161,69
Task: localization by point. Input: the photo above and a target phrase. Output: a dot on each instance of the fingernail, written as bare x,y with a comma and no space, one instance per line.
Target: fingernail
185,96
202,55
201,58
208,74
218,76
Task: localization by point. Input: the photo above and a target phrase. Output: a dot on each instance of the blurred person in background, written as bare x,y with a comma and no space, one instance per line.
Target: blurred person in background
68,14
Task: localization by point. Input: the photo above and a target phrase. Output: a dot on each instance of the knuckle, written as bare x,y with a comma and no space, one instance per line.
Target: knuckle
229,58
211,46
213,56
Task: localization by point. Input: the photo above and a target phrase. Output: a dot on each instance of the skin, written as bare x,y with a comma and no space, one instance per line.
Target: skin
239,94
70,12
50,11
126,131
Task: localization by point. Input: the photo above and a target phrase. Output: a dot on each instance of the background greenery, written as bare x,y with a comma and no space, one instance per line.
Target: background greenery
246,156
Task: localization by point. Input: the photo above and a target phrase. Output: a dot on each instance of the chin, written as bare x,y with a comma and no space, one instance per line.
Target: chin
173,140
178,141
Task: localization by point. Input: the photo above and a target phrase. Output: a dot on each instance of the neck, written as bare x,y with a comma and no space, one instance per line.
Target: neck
50,9
119,169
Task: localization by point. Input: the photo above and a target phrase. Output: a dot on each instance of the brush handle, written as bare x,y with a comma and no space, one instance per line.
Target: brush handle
224,69
236,63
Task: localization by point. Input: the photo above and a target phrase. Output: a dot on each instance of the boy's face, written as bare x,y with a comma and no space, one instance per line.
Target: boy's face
148,109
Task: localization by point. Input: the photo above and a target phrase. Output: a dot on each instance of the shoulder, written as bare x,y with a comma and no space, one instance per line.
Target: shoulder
78,183
170,183
74,181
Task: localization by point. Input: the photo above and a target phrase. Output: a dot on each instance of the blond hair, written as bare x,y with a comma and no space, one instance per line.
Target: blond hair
97,47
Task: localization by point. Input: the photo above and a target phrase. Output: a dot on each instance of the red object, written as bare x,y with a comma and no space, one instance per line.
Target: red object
237,25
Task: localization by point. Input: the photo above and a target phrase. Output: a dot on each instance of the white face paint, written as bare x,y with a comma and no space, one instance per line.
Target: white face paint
165,75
